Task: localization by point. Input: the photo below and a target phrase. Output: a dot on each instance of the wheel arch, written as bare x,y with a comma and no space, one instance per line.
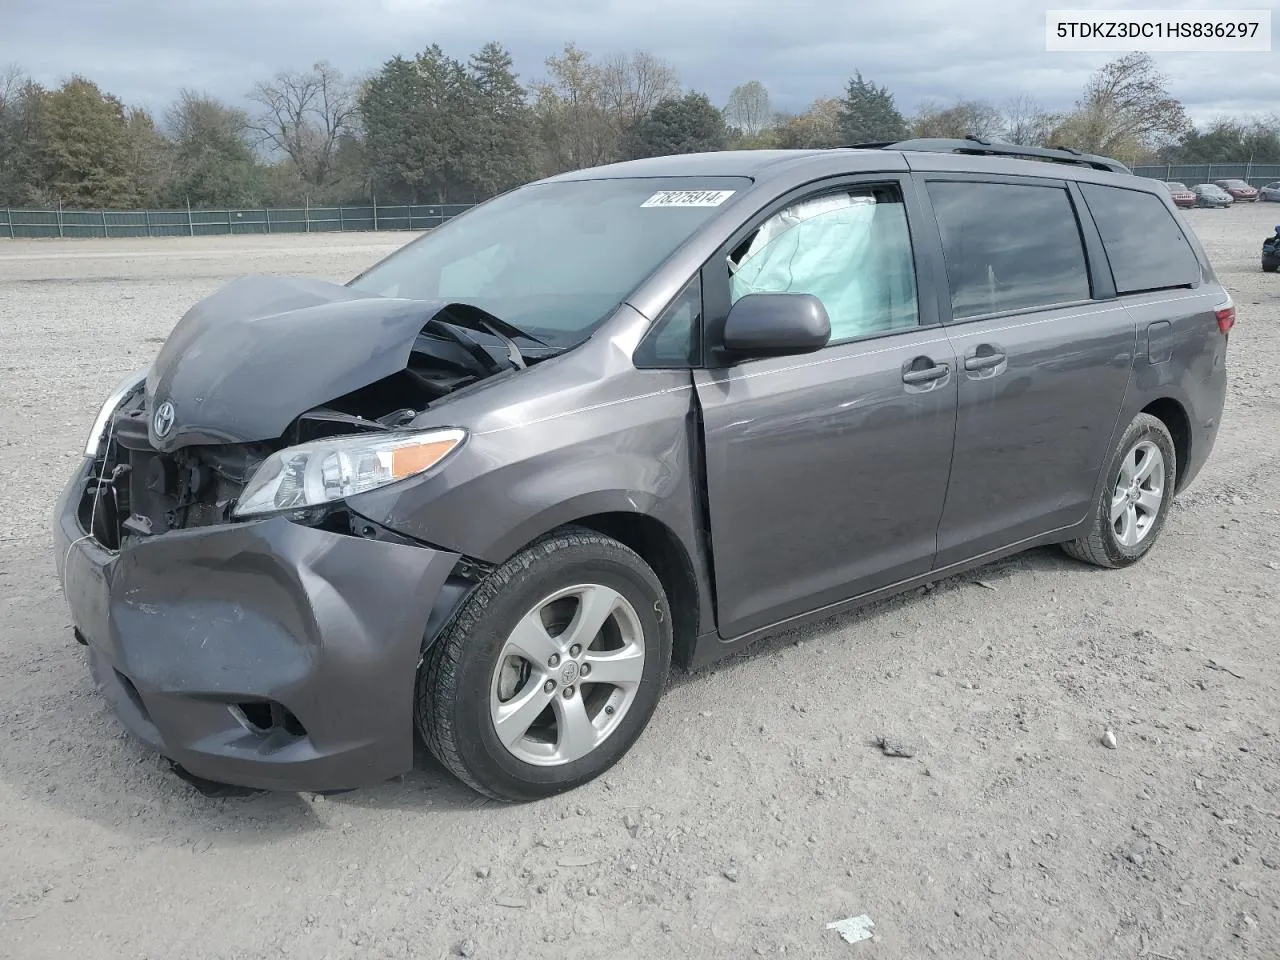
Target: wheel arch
634,519
656,543
1174,416
659,547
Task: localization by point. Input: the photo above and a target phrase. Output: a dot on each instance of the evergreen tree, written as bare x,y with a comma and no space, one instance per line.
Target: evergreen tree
390,105
505,138
690,124
868,113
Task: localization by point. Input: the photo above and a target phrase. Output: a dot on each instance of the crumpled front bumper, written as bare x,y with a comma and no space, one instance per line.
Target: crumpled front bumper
264,654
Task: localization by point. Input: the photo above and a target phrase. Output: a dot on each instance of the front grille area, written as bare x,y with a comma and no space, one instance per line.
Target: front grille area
138,491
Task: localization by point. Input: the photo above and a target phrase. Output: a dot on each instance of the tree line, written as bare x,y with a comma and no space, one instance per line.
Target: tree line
432,129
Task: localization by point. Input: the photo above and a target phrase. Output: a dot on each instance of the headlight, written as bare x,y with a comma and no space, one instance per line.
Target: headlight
325,471
109,407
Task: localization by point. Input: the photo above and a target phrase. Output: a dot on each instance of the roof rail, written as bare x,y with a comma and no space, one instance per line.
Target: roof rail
979,146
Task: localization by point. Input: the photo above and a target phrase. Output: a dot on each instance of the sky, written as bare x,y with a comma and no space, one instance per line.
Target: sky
145,51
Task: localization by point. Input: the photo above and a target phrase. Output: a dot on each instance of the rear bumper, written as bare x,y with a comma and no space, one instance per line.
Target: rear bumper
264,654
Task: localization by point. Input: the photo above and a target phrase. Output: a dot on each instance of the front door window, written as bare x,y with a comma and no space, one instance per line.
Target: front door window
850,249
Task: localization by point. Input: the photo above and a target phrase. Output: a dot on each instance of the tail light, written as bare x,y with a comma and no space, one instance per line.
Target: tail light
1226,318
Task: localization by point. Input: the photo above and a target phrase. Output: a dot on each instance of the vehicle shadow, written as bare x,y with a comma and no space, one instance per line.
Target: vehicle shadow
1048,560
442,791
143,796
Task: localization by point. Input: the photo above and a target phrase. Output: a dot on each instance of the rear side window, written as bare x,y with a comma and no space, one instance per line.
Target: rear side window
1009,246
1146,247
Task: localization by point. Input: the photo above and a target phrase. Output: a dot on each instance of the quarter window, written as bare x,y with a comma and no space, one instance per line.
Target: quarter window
849,248
1146,247
1009,246
676,339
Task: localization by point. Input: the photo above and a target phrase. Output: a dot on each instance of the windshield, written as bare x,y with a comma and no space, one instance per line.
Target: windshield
554,259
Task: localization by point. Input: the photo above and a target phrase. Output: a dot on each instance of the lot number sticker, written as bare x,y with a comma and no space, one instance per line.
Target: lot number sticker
688,198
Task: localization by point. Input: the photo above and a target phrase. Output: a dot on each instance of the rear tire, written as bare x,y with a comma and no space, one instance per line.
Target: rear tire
504,698
1135,501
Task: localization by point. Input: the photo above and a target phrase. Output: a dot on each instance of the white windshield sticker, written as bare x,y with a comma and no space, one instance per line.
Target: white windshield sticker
688,198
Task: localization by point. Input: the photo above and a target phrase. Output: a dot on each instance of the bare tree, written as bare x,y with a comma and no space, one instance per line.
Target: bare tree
818,127
1028,123
633,84
572,110
749,110
964,118
21,109
305,115
12,80
1126,111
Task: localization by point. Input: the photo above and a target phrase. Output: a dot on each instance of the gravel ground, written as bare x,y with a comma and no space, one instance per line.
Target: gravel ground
757,807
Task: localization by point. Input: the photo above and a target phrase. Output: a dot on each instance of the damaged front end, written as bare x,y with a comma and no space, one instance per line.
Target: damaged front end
239,617
269,366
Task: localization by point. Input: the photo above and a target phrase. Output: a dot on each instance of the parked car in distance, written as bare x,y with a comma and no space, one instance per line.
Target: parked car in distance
649,412
1270,192
1181,194
1211,195
1240,190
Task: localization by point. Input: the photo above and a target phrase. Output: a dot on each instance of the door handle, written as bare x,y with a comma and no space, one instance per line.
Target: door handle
984,357
927,375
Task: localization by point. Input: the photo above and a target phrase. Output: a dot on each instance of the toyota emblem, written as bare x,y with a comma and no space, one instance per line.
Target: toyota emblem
165,415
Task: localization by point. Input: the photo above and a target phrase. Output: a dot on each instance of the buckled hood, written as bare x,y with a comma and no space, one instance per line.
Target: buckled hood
243,363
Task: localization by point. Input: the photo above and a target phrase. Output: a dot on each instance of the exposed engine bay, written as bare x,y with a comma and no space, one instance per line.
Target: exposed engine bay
142,486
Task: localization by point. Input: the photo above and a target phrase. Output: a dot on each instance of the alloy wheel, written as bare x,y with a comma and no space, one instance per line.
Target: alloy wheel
567,675
1138,494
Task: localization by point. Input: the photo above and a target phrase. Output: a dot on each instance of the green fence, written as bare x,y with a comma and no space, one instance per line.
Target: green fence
1258,174
36,224
20,224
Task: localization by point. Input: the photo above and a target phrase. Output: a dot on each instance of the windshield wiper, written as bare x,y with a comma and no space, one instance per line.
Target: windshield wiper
458,333
468,317
513,352
476,317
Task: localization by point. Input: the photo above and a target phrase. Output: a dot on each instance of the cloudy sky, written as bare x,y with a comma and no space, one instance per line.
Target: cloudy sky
144,51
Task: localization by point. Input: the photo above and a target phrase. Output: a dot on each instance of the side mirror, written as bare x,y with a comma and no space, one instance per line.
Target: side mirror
776,325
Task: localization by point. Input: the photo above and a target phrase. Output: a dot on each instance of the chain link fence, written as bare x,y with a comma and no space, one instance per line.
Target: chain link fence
1257,174
42,224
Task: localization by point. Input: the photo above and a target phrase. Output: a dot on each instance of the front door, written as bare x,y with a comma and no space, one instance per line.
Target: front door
826,473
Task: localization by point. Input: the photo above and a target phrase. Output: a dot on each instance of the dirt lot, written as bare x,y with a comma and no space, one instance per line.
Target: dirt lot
755,810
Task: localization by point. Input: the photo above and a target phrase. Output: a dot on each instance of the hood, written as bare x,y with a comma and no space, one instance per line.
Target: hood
244,363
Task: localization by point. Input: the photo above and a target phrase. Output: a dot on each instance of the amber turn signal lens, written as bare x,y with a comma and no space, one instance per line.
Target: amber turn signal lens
406,461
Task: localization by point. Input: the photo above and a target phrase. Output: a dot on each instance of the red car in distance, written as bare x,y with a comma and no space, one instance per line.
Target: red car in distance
1240,190
1181,194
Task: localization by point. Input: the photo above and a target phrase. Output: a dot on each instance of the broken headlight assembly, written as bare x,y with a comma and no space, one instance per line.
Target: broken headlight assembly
323,472
109,406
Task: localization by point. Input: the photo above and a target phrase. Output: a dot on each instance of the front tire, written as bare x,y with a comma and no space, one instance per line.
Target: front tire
551,671
1135,501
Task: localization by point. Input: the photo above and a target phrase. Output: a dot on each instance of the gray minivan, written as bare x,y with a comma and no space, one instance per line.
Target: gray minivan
491,488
